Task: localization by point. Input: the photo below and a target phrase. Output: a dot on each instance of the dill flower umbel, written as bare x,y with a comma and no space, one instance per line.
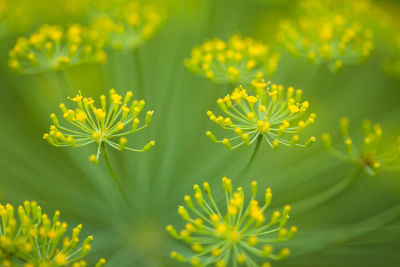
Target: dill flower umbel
99,125
327,35
239,60
271,114
29,236
368,157
240,234
130,25
55,48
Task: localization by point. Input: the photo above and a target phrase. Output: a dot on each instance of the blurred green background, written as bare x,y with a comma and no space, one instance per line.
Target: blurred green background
358,228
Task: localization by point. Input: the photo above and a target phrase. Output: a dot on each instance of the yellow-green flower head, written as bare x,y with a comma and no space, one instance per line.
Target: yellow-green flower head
55,48
274,114
368,155
325,35
91,124
129,25
234,233
239,60
29,236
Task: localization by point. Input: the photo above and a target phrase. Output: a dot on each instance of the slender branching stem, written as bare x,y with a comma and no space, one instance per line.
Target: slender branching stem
113,175
329,194
65,84
318,72
360,228
139,73
252,157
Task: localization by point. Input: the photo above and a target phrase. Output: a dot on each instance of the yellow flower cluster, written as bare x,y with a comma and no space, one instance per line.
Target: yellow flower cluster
270,114
326,35
239,60
129,25
29,236
240,234
55,48
99,125
368,157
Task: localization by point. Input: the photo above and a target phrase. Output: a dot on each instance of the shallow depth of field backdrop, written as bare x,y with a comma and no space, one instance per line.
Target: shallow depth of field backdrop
359,227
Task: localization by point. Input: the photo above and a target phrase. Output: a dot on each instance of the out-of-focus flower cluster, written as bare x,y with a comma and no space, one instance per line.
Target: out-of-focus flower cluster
99,125
129,25
271,114
30,238
234,234
326,32
55,48
368,156
239,60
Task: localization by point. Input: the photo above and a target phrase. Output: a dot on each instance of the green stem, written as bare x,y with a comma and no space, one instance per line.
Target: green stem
319,70
357,230
113,175
252,156
65,84
139,73
373,223
328,194
211,16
